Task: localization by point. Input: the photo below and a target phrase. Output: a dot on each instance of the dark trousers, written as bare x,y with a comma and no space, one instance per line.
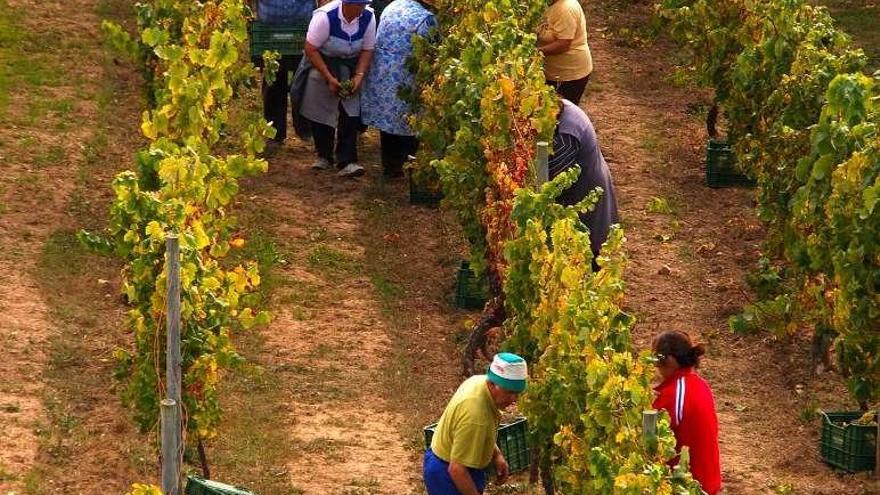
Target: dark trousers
395,150
342,140
275,96
571,90
437,480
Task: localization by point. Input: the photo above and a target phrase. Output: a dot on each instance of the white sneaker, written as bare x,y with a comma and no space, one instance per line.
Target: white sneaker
321,164
351,170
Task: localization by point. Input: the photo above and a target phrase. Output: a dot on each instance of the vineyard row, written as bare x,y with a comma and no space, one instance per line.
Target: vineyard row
804,120
189,55
484,107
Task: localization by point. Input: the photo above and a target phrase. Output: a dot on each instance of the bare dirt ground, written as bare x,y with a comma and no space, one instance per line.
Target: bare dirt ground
355,343
51,70
69,121
363,348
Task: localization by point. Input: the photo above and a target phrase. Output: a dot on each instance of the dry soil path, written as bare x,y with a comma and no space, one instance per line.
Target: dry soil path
347,326
39,149
62,428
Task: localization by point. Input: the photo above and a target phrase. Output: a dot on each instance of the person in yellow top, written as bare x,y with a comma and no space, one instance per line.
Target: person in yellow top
464,445
562,38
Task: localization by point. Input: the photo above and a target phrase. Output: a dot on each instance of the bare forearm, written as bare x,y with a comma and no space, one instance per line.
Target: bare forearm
461,478
317,61
555,47
501,466
364,61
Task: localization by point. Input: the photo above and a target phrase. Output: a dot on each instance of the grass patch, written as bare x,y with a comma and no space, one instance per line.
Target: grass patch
80,364
11,36
252,450
660,205
299,297
331,261
62,269
368,486
6,474
327,448
53,156
24,57
40,108
389,291
85,431
276,288
321,384
64,257
26,180
650,142
324,351
262,247
33,482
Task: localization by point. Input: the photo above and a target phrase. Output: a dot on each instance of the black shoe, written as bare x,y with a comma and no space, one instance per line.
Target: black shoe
273,146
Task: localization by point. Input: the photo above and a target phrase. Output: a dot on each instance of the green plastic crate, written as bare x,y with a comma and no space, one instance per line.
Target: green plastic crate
470,292
287,40
721,170
423,195
200,486
512,440
845,446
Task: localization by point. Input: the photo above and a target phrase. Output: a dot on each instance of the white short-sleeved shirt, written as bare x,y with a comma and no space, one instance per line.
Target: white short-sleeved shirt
319,27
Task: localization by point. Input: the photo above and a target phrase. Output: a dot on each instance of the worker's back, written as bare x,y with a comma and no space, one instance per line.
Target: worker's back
594,173
467,429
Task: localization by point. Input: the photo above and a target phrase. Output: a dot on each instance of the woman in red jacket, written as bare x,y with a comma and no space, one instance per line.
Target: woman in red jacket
691,407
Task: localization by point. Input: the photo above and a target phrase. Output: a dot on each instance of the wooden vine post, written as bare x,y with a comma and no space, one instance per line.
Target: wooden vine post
543,162
170,447
649,428
171,432
877,445
540,468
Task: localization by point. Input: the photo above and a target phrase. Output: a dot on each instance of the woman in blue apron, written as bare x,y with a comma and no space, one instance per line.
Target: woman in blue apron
339,48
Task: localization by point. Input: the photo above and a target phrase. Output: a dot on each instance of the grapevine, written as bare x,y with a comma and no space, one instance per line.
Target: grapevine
484,106
141,489
180,186
588,388
805,125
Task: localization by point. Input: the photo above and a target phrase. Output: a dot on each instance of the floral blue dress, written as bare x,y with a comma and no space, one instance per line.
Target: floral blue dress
380,106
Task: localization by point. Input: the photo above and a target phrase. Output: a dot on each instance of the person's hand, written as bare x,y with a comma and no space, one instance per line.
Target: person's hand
357,80
333,84
501,468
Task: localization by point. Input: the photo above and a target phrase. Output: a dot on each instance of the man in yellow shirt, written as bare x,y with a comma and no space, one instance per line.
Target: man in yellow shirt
562,38
464,445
